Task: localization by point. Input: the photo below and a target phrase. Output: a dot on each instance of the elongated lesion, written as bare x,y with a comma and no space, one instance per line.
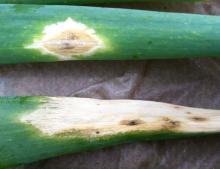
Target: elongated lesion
91,117
68,39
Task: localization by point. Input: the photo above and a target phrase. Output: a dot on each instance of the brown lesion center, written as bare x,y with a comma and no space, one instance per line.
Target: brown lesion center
70,43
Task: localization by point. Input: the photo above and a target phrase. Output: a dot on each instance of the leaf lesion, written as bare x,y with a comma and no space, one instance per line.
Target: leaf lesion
68,39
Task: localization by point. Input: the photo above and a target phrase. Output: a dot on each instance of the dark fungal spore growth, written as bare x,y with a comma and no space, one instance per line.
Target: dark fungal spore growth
134,122
198,119
170,124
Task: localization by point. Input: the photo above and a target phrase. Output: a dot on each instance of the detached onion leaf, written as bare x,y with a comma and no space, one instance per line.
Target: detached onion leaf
37,128
38,33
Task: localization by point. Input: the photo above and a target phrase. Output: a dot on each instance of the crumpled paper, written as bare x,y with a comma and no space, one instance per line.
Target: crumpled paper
189,82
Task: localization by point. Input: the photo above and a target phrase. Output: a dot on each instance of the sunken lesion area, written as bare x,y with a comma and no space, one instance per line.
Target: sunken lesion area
92,117
68,39
70,43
